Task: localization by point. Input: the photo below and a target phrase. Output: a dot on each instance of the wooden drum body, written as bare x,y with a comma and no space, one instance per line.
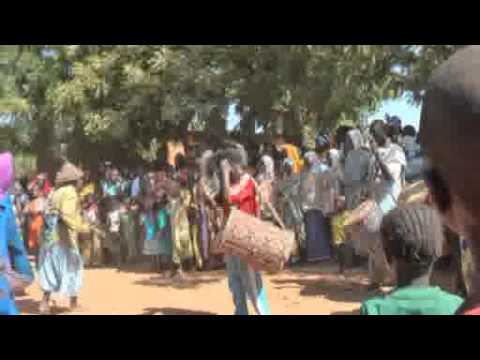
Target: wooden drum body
260,243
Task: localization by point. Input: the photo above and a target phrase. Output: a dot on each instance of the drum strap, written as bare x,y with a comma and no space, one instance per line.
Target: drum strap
270,207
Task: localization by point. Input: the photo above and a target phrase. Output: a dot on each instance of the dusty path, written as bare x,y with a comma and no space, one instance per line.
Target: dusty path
314,289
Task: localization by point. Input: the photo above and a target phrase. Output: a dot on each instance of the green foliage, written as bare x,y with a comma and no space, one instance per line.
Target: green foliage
93,94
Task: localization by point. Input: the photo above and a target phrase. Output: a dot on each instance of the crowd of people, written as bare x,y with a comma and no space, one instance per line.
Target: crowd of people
373,196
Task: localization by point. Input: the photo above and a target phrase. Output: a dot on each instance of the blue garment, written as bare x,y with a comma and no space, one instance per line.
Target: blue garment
244,282
111,189
319,168
17,259
318,236
151,244
389,197
135,189
60,269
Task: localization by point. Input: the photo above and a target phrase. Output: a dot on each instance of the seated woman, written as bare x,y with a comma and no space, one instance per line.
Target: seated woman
412,238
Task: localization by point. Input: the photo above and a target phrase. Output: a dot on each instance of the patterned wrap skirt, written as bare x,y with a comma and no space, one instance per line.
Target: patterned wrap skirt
60,269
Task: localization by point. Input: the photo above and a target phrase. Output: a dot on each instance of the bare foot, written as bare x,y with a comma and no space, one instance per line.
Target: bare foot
45,308
179,277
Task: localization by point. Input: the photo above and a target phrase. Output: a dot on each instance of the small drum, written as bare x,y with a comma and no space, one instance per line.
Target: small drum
257,242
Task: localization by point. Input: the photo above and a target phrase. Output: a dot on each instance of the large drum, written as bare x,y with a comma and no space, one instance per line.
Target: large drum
259,243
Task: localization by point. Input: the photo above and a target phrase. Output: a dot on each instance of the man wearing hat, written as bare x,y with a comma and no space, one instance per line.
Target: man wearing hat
60,263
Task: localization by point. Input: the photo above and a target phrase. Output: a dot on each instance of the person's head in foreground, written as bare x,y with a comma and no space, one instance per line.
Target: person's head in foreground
412,238
449,128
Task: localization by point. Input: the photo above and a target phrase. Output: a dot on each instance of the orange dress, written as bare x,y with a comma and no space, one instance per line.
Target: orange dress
294,154
174,149
36,208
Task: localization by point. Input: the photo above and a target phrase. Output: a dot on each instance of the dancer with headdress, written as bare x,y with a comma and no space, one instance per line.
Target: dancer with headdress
60,262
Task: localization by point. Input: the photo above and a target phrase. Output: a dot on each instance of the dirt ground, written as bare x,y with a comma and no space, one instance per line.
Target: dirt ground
305,290
314,289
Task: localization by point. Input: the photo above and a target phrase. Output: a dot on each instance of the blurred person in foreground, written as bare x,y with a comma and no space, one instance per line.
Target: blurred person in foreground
449,128
412,238
15,269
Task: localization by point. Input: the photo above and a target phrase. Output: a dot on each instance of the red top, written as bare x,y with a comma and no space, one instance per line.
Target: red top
474,311
245,199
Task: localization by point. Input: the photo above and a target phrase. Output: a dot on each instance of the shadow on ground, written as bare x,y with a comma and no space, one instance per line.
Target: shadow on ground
350,313
31,307
332,289
190,281
174,311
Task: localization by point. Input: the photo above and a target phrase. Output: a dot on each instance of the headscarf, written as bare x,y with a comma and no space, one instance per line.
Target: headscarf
268,172
393,120
322,141
335,157
6,173
393,154
289,162
355,142
312,158
68,173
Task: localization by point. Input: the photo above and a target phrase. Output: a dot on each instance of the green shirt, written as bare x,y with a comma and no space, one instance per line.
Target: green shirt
413,300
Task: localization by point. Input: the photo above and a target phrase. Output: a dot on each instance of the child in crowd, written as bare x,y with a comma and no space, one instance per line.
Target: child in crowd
343,249
156,231
412,238
113,233
93,240
128,230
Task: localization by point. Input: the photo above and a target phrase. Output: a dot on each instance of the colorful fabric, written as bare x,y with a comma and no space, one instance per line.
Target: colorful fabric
111,188
468,268
128,233
87,190
151,245
317,190
294,154
61,268
338,228
136,189
243,281
267,167
289,189
181,236
411,300
318,236
244,196
60,262
164,233
173,150
35,209
6,173
13,257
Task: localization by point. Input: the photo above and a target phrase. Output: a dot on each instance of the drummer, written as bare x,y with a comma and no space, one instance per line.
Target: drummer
240,192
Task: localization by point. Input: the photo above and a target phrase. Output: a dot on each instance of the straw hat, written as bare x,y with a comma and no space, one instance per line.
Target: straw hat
67,173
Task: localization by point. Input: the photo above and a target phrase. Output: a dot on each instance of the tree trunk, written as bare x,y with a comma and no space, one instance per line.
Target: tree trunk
45,147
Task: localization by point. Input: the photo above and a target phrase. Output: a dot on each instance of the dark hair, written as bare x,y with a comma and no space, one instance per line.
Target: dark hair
180,161
409,130
341,134
379,131
439,188
394,131
268,149
414,234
